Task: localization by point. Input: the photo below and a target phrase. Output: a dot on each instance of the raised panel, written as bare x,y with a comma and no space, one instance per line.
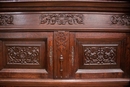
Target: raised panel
29,55
25,54
99,55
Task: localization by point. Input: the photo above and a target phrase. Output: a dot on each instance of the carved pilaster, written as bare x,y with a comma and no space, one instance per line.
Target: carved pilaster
62,54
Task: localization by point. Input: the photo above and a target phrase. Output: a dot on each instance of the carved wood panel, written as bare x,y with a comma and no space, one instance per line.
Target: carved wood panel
26,55
62,19
100,55
6,19
23,55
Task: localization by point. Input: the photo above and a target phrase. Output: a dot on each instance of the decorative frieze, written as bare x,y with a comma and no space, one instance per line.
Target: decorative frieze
96,55
23,55
61,19
6,19
120,19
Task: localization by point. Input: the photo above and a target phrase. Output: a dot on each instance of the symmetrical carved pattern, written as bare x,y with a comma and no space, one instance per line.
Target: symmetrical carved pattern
61,39
6,19
121,19
62,19
96,55
23,55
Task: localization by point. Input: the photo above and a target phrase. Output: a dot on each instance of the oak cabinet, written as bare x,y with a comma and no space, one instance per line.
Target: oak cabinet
64,43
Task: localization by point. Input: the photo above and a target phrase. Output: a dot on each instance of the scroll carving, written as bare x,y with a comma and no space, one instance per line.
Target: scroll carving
23,55
62,19
100,55
6,19
121,19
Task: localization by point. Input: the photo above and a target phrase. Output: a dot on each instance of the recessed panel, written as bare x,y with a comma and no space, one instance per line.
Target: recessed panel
100,54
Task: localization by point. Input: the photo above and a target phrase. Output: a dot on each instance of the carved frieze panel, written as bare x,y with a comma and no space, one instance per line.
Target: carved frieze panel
23,55
100,55
121,20
62,19
6,19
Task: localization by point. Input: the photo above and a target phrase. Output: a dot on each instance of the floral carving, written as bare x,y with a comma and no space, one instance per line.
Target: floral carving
61,39
62,19
99,55
121,19
23,55
6,19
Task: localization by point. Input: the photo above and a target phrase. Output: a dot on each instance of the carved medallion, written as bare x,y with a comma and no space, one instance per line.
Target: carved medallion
62,19
100,55
6,19
121,19
23,55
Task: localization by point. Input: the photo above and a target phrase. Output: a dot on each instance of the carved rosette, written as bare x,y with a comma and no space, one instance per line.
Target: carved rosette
23,55
120,19
100,55
61,19
6,19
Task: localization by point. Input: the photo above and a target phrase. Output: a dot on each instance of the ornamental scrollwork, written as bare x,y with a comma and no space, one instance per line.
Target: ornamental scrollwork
23,55
100,55
62,19
120,19
6,19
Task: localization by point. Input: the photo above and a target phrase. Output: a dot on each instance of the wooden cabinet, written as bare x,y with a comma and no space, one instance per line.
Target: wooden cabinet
64,43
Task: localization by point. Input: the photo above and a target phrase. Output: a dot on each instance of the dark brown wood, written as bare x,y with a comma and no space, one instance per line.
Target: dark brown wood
64,43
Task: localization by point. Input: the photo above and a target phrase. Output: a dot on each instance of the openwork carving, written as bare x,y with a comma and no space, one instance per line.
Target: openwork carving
6,19
96,55
121,19
61,39
23,55
62,19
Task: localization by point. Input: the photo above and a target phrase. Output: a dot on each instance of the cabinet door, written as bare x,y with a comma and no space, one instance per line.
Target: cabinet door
26,55
101,55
